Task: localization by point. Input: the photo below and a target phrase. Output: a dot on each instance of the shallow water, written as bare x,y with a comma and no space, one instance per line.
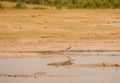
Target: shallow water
69,75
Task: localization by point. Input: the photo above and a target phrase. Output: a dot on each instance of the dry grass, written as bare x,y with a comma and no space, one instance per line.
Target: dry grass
60,24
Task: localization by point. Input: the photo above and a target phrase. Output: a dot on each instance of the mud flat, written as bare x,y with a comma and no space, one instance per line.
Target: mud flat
97,65
34,75
59,53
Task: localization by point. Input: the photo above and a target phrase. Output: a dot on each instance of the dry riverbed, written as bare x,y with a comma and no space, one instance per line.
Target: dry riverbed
60,46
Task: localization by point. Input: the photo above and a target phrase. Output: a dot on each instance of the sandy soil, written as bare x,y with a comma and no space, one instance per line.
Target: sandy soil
34,75
54,30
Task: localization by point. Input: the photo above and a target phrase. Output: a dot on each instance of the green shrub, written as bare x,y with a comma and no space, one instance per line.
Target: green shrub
1,7
71,6
20,5
116,4
72,3
58,6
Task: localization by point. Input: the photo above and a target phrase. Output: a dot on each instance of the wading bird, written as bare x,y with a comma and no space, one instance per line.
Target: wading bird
103,64
68,48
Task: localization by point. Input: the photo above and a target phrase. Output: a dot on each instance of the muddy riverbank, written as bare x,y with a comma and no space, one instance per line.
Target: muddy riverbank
61,53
